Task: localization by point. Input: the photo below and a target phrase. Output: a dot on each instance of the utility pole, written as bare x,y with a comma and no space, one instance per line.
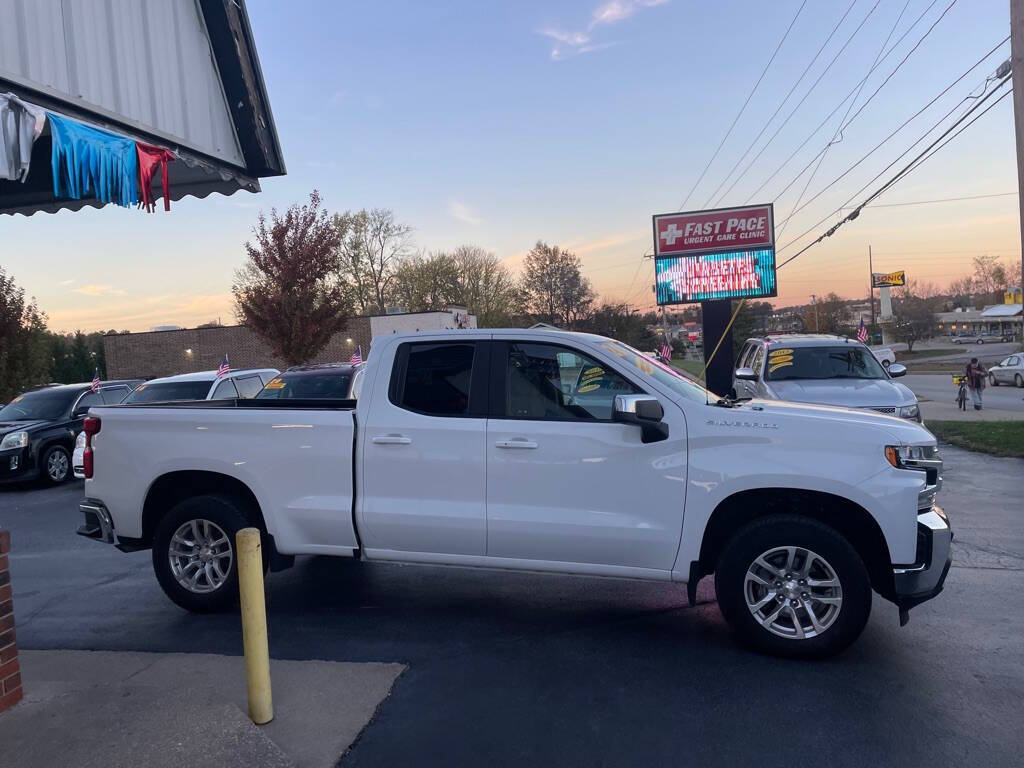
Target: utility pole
814,303
871,287
1017,68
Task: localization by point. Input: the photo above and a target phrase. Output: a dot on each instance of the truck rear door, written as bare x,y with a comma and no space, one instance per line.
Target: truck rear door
422,462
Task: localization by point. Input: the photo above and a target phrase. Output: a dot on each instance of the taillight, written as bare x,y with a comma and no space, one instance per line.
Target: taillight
90,426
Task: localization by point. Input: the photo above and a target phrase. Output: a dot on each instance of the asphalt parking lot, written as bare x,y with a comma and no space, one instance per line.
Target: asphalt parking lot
522,669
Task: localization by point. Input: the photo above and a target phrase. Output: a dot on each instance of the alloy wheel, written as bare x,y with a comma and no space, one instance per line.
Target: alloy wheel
57,466
793,592
200,554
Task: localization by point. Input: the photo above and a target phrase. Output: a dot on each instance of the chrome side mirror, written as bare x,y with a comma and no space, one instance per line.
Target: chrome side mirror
746,374
896,370
644,411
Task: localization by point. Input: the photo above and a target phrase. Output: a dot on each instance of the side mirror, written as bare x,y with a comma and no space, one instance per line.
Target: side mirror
896,370
644,411
746,374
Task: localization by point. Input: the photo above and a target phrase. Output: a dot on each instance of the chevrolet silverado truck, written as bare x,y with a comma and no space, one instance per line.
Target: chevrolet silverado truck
538,450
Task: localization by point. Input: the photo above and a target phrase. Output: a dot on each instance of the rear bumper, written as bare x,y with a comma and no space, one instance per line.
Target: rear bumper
924,579
98,525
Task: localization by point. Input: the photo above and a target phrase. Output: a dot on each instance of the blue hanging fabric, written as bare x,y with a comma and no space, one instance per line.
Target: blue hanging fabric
89,161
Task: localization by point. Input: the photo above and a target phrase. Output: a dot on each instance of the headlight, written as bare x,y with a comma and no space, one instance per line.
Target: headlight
899,455
910,411
14,440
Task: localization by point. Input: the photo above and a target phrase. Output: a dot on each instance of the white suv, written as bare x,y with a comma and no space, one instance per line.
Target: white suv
822,369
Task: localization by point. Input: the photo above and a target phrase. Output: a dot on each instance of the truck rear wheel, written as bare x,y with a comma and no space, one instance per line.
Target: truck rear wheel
194,552
792,586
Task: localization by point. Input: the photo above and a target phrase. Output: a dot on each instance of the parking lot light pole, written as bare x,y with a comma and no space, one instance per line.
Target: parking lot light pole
254,625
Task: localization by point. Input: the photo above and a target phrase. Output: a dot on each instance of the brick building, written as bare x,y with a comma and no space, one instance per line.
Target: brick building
165,353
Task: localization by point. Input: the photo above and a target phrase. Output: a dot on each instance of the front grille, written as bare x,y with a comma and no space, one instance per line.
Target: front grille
883,409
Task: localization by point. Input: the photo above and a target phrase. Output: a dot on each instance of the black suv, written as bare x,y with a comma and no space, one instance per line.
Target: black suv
38,429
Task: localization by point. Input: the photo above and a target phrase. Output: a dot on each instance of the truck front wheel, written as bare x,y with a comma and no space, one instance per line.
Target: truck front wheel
194,552
792,586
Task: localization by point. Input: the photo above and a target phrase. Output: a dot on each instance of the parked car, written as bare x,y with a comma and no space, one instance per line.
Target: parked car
994,337
1010,371
544,451
339,381
203,385
884,355
38,428
823,369
969,338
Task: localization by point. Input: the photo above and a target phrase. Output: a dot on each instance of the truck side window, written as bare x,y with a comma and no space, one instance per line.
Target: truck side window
248,386
225,391
758,358
113,395
437,379
548,382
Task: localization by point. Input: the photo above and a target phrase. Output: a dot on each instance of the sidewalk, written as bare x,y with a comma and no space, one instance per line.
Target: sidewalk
934,410
100,708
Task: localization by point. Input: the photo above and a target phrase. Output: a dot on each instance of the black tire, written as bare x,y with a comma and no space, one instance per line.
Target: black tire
993,380
59,455
760,536
224,512
1018,380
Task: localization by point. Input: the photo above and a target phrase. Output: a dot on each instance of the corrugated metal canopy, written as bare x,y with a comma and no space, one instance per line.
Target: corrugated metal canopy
181,74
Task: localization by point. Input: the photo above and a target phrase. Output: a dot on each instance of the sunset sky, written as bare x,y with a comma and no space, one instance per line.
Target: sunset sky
502,123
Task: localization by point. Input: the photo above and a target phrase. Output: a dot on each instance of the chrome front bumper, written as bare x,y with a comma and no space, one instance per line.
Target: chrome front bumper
98,525
924,579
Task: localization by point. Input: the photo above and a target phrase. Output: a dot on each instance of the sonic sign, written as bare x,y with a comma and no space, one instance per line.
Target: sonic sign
728,253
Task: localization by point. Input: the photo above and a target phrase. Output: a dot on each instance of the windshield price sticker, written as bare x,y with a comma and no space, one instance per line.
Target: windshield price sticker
779,358
590,379
275,384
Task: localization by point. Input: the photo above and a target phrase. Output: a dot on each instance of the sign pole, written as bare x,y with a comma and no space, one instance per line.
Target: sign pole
871,286
718,373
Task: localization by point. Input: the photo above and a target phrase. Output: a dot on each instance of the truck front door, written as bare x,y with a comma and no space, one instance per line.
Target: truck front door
564,482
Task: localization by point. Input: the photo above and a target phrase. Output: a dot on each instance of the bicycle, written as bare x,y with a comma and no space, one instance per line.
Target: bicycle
961,395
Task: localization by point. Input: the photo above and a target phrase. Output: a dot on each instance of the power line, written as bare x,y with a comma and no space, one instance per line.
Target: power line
940,200
781,104
744,107
905,152
839,128
919,160
809,91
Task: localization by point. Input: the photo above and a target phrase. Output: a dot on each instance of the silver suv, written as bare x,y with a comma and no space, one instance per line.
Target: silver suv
823,369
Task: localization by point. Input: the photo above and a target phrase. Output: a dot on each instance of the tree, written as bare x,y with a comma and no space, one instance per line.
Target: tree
829,315
914,314
486,287
555,289
618,321
990,278
750,321
24,362
425,282
289,291
371,247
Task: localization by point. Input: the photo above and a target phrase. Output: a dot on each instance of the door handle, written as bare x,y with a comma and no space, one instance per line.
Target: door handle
516,444
392,440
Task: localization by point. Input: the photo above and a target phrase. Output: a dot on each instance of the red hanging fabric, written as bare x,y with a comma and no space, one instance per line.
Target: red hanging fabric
149,158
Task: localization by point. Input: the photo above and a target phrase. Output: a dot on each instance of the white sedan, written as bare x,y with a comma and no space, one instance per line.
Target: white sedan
1010,371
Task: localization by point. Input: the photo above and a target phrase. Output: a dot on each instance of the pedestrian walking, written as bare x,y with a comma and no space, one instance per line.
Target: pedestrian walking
976,377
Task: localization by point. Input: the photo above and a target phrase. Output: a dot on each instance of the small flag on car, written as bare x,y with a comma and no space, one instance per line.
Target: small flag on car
666,350
224,368
95,381
357,356
862,332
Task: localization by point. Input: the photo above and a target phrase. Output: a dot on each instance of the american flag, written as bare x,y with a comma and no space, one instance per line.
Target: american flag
224,368
95,381
357,356
666,349
862,332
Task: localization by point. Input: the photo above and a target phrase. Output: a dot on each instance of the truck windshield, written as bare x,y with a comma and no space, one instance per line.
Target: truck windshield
663,374
42,404
169,392
846,362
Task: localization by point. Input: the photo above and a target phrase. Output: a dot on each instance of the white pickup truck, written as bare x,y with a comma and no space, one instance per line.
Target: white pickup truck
538,450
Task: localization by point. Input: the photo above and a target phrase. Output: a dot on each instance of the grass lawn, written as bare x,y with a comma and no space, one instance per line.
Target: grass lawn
1000,438
921,354
692,367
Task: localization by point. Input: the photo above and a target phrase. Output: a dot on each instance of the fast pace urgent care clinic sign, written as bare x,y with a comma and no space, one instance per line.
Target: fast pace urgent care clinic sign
728,253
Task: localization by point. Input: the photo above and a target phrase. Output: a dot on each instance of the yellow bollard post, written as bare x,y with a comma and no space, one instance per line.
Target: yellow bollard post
254,625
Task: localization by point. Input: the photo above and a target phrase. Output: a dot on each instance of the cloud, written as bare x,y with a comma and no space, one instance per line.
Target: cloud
575,43
99,290
72,281
463,213
142,313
